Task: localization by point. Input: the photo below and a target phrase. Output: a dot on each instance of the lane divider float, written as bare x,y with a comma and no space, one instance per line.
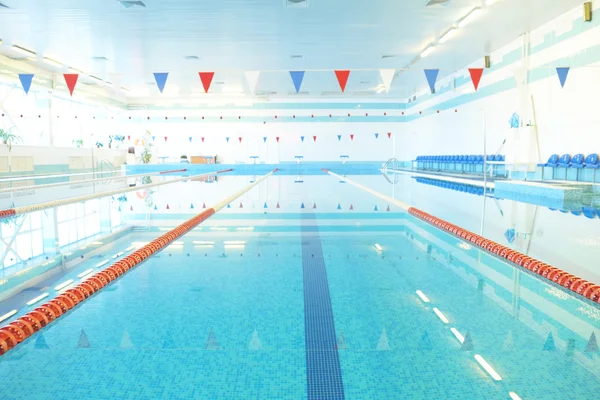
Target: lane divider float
22,328
568,281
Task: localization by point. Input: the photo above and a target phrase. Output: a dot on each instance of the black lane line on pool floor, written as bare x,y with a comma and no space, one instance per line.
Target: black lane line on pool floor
323,371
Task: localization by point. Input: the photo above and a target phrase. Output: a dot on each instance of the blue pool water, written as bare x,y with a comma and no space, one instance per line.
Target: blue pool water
304,306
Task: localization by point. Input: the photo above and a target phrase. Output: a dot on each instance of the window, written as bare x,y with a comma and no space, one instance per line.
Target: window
22,238
77,221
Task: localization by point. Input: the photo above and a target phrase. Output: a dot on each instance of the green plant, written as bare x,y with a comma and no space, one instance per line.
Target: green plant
98,145
78,143
8,138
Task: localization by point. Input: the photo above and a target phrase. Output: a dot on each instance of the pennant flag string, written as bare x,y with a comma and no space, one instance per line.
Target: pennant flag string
206,78
562,73
342,77
476,74
297,78
431,75
26,81
161,80
71,81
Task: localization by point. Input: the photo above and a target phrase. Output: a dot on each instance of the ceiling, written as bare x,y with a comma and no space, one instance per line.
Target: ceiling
126,45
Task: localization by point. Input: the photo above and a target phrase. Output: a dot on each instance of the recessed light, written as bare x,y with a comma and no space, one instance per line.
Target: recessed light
469,18
24,51
446,36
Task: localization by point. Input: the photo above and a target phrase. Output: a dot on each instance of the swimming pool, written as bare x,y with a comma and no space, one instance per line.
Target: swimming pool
312,290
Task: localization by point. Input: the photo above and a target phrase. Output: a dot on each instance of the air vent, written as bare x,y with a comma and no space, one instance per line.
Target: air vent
297,57
132,4
191,58
365,82
218,83
296,3
99,58
388,56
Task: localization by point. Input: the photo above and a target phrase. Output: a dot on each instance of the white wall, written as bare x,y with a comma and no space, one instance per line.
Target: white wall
567,118
49,156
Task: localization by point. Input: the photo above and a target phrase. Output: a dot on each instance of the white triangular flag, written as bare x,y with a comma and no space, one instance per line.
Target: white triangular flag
520,74
387,76
383,344
255,343
252,79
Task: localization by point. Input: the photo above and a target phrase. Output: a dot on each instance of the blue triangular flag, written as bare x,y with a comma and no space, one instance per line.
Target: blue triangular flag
265,206
562,72
190,139
339,207
265,139
297,77
431,75
227,138
302,206
339,137
40,342
549,345
510,235
228,205
514,121
592,344
119,208
302,138
467,344
375,208
153,137
376,135
192,206
161,80
84,342
155,207
26,81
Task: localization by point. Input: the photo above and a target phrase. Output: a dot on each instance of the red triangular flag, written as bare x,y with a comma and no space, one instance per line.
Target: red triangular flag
202,140
277,138
240,138
314,205
388,209
71,80
389,135
314,138
476,76
351,207
131,208
277,205
241,205
128,137
203,205
168,208
165,138
351,137
206,78
342,77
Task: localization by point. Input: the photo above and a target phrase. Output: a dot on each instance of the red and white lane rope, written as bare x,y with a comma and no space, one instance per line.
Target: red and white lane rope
70,200
22,328
569,281
108,178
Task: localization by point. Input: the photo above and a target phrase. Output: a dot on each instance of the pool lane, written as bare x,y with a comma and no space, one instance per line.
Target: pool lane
323,371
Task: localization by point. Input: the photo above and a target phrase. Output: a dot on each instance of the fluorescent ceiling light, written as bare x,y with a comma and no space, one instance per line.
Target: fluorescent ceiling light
458,335
52,62
85,273
203,242
8,315
440,315
446,36
427,51
24,51
125,89
488,368
469,18
230,242
380,89
378,247
76,71
100,264
422,296
95,78
514,396
130,248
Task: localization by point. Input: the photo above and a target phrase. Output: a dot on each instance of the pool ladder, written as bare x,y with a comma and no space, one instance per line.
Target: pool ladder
392,163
